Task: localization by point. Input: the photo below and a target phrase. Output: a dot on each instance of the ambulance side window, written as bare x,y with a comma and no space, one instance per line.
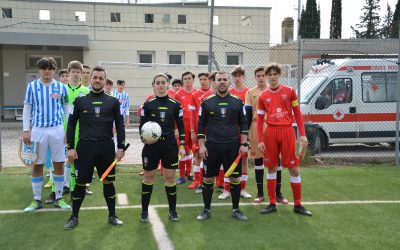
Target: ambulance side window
338,91
379,86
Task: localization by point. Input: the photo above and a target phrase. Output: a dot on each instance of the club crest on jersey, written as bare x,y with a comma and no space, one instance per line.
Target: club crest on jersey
284,97
97,111
145,161
223,112
162,116
268,100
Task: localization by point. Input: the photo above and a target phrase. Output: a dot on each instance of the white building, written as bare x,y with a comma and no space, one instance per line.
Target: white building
95,33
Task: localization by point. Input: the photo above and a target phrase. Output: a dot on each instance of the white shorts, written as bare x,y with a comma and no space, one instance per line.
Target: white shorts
53,138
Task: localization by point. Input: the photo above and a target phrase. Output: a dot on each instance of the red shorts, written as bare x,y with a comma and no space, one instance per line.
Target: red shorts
280,140
188,138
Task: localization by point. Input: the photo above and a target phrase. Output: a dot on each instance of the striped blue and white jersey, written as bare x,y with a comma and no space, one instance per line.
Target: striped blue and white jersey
124,102
47,102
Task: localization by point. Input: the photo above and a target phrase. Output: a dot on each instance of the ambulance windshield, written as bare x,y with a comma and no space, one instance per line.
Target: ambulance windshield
309,85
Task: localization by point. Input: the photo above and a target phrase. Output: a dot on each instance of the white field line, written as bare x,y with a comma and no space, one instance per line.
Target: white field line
356,202
122,199
159,232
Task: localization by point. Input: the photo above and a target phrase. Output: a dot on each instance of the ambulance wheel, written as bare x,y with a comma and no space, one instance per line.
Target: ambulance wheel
319,143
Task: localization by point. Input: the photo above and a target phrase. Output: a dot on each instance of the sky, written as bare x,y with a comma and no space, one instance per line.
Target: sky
351,12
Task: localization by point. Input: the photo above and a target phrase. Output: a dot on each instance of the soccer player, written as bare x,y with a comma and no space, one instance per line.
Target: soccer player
63,76
176,85
221,115
109,86
197,98
184,96
123,98
167,112
280,104
251,111
47,100
97,112
86,76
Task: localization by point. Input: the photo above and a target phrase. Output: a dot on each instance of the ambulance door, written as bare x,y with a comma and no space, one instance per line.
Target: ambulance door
335,109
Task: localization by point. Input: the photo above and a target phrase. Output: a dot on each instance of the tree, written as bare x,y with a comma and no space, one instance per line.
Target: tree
369,21
336,20
395,22
386,28
310,21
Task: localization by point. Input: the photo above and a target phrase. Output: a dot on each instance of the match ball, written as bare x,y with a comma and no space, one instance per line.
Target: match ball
150,132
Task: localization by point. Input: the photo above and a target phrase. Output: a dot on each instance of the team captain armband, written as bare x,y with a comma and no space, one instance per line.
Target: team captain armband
295,103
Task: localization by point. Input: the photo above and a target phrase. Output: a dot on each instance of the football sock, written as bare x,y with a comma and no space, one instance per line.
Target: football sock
171,195
227,186
37,183
181,165
243,181
259,173
109,195
67,175
271,187
278,180
77,198
147,189
235,193
58,185
295,183
208,189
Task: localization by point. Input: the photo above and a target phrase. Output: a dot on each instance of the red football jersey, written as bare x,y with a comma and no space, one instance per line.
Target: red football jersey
277,105
241,94
197,97
185,98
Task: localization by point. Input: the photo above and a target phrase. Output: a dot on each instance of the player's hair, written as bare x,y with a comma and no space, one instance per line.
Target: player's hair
75,65
206,74
258,69
188,73
63,71
100,69
273,66
109,82
176,81
120,82
47,63
162,75
85,66
221,72
169,75
239,70
212,75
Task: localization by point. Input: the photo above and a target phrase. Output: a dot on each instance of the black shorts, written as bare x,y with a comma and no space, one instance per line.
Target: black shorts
90,154
221,153
166,151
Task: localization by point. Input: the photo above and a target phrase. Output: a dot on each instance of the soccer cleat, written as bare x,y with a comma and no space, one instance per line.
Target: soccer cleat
194,185
51,199
66,190
144,217
88,191
271,208
173,216
35,205
259,199
190,177
71,223
199,190
301,210
225,195
180,180
236,213
244,194
49,184
62,204
113,220
204,215
281,199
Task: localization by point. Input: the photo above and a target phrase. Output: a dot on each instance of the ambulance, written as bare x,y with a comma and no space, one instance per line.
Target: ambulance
350,101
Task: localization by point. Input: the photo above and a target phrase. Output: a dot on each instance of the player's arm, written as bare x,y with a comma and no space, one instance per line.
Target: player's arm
26,115
143,116
260,119
128,104
299,118
119,125
65,103
193,108
72,121
249,109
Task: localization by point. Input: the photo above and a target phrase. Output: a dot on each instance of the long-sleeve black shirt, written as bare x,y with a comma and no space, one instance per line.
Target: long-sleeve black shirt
96,113
166,112
220,118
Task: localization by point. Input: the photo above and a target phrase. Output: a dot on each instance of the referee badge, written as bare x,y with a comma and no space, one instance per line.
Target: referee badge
162,116
223,112
97,111
145,161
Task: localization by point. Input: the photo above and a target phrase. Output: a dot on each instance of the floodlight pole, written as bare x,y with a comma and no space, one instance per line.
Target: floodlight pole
299,63
210,37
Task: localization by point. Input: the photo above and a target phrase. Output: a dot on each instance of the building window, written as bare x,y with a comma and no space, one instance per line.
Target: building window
80,16
149,18
202,59
6,12
233,58
181,19
176,57
246,20
146,57
31,61
115,17
44,15
166,18
216,20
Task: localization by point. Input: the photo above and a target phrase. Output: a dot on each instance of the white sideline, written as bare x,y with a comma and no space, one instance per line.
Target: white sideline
356,202
159,232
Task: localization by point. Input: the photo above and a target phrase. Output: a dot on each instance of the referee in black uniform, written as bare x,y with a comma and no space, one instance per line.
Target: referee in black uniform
96,113
221,115
166,112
